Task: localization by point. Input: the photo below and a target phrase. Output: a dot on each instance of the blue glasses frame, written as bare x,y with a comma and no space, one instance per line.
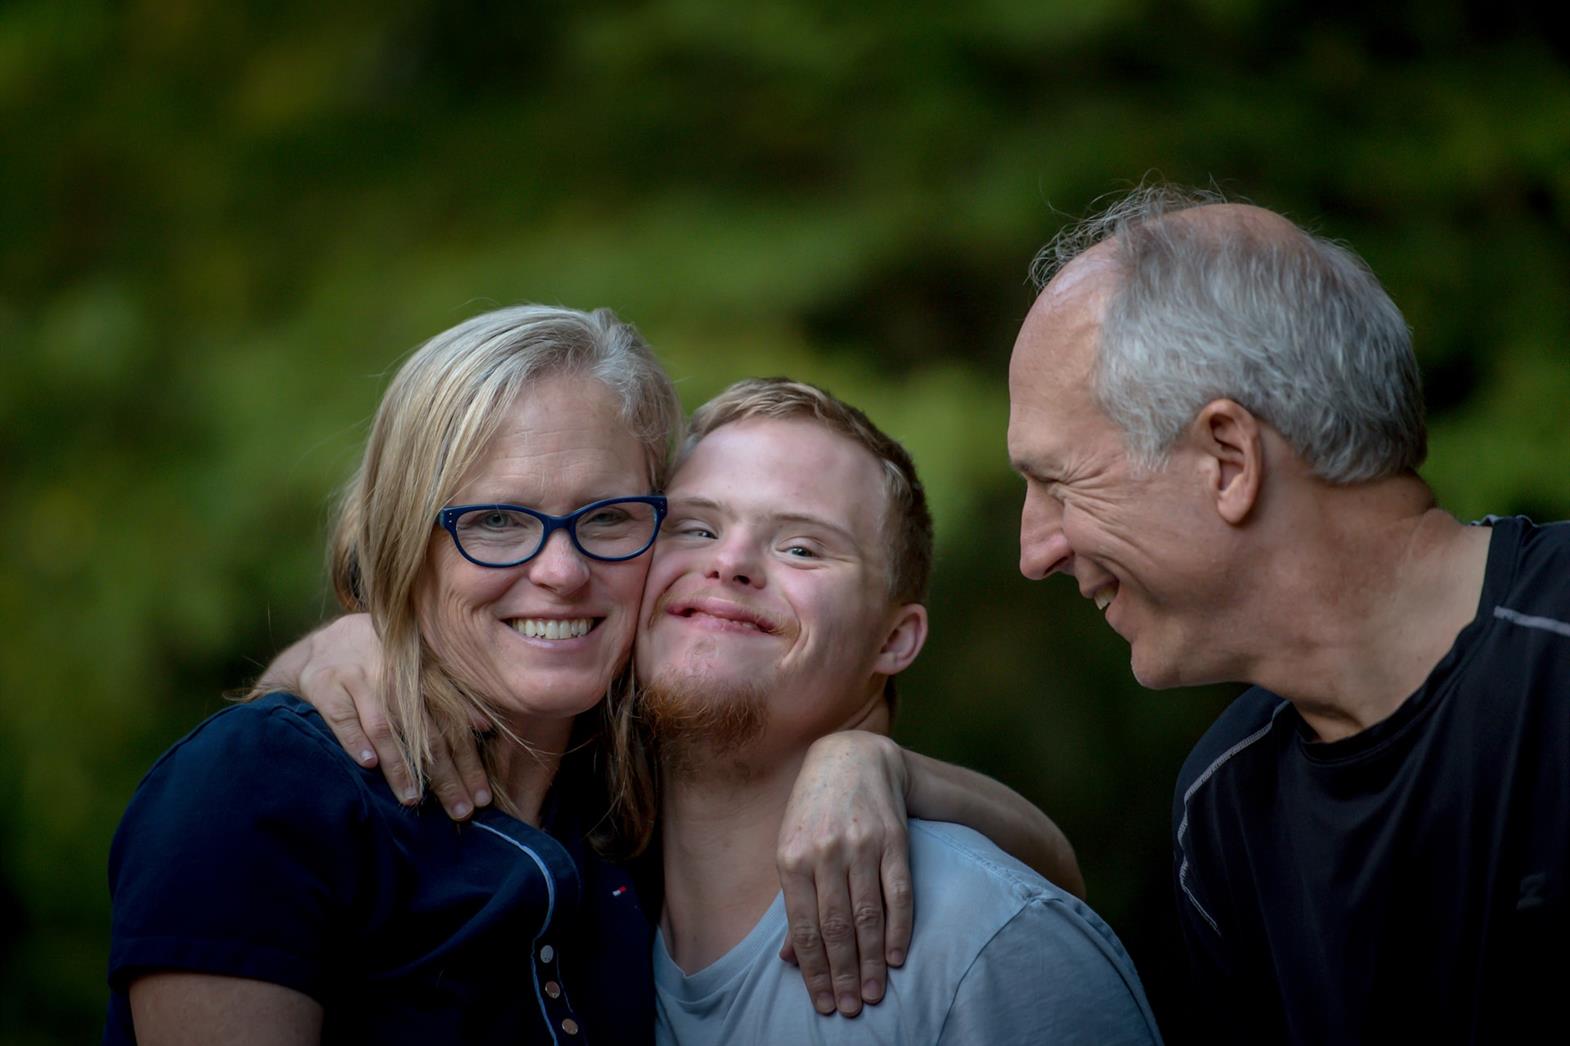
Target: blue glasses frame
447,519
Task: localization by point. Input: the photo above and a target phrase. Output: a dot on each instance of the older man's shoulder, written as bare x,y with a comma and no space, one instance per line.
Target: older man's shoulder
1529,564
1235,737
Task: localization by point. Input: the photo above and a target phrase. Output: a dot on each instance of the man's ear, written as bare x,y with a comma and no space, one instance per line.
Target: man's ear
907,633
1232,450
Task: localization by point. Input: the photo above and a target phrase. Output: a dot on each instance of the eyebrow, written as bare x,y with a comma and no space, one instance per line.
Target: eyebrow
803,518
1031,469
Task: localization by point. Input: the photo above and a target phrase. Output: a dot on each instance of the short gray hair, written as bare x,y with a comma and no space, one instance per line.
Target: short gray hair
1296,329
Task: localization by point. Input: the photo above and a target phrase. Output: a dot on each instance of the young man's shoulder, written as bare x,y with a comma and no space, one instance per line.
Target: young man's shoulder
968,890
1010,957
962,866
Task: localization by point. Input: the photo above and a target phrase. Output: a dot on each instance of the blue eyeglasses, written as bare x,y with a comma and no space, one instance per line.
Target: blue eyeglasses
506,535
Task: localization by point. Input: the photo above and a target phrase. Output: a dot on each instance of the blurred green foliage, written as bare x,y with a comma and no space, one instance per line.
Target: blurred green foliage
223,223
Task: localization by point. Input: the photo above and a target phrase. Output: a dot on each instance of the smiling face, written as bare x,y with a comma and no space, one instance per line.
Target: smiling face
1142,544
543,639
771,578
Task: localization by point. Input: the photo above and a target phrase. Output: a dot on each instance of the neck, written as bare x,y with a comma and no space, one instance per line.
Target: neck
720,821
719,833
524,766
1367,591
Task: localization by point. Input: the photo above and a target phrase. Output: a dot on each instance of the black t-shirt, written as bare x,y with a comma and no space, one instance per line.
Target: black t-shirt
256,848
1408,883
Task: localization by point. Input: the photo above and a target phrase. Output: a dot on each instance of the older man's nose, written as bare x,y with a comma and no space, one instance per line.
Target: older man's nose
1043,548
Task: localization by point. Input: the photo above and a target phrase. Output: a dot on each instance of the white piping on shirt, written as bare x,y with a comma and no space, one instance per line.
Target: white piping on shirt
550,910
1547,624
1189,794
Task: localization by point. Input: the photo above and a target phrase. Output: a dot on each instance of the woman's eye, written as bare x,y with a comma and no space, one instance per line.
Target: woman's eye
498,520
606,517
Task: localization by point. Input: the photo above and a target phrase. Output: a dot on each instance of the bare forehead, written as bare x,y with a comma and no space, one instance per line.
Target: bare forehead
760,454
1057,343
786,467
1085,281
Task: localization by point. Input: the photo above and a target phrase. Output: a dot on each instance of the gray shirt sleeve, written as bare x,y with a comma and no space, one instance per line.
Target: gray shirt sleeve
1049,976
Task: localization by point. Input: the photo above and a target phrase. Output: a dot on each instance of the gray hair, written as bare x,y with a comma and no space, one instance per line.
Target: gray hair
433,426
1296,329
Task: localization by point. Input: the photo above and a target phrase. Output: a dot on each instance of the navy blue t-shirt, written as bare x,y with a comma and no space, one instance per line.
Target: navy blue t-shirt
255,847
1410,883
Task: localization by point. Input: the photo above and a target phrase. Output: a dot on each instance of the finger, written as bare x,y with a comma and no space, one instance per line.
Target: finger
866,909
337,709
801,915
899,902
837,927
400,778
447,782
471,770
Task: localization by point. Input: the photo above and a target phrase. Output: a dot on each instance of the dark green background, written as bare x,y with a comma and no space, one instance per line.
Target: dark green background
222,223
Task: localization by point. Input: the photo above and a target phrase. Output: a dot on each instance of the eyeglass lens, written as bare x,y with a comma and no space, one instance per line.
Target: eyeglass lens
501,536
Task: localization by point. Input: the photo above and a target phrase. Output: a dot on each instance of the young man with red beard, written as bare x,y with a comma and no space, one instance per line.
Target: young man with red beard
785,596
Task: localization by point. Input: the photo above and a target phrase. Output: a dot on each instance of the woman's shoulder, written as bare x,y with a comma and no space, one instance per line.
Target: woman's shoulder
241,846
260,733
272,758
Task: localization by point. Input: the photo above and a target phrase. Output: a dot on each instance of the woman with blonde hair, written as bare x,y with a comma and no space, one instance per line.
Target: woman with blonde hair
268,889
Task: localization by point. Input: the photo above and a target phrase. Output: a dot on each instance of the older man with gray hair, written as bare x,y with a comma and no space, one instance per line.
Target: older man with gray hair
1219,421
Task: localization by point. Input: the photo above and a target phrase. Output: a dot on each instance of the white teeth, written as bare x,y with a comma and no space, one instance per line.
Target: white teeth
553,628
1104,598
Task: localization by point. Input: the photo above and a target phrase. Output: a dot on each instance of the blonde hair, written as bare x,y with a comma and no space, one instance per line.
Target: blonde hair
433,426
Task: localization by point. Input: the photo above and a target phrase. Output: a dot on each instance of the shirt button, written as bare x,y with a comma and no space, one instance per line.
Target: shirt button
553,989
547,953
569,1026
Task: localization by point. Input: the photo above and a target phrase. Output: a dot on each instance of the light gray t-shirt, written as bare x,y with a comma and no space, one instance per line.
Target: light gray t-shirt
998,956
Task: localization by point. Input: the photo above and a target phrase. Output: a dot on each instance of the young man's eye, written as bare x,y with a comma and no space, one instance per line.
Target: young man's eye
689,529
801,552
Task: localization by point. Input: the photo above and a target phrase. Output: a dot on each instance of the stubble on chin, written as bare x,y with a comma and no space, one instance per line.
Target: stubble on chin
701,724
